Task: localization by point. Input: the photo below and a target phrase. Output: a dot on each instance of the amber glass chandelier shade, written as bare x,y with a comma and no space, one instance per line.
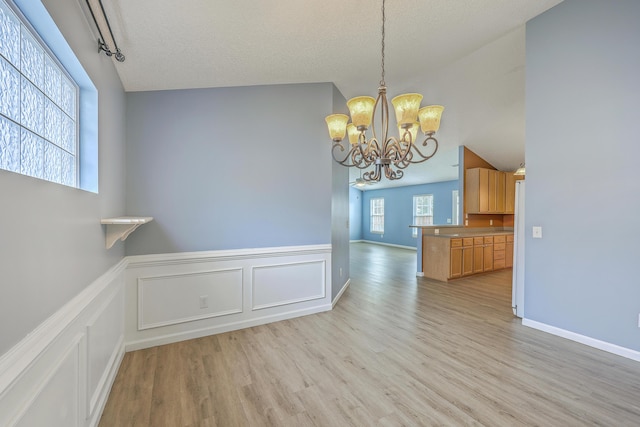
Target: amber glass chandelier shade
430,118
413,130
337,124
361,110
406,107
353,133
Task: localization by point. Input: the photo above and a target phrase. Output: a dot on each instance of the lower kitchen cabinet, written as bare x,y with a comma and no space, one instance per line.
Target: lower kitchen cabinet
445,258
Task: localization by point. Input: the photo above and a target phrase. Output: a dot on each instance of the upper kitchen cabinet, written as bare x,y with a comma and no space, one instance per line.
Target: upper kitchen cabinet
485,191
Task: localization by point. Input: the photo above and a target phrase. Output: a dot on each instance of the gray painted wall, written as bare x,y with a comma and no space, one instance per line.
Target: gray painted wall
339,210
52,244
583,85
229,168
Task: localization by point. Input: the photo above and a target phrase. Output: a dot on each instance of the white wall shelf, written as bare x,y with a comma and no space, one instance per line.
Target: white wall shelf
119,228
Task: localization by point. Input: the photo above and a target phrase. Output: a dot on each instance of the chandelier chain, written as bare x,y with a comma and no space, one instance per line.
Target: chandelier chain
382,83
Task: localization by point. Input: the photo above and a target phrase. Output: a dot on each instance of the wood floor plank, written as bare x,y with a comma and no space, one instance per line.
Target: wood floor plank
397,350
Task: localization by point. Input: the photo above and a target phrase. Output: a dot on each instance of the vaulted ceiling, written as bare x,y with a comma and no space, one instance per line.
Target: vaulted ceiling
467,55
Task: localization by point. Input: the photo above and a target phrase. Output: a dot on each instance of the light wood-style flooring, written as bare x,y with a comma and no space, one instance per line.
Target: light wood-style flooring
397,350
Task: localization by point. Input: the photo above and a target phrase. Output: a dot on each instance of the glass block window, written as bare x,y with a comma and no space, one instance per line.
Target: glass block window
422,211
377,215
38,105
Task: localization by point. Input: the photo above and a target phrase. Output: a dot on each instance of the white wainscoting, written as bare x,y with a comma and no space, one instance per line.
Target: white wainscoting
242,288
61,373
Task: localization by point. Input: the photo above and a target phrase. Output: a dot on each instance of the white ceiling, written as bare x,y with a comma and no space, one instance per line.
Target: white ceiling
467,55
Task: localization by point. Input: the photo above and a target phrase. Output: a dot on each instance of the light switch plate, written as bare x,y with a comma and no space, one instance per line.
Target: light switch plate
537,232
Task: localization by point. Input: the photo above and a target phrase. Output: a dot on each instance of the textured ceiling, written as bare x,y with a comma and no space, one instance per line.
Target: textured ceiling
212,43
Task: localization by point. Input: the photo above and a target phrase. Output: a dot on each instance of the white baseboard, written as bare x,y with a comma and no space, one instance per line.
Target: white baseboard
337,298
582,339
219,329
411,248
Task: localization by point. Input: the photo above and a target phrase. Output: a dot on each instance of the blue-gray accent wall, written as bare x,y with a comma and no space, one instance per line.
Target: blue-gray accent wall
398,210
355,214
582,115
229,168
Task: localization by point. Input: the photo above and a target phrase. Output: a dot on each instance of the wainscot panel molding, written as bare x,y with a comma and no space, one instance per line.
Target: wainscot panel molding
582,339
61,373
193,296
175,297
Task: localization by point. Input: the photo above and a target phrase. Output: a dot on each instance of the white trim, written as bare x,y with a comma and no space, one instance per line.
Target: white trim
93,400
582,339
137,261
219,329
51,372
342,291
420,274
141,323
21,356
105,388
322,278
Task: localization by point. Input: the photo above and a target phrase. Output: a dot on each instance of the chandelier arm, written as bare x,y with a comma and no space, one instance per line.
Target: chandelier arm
351,155
424,144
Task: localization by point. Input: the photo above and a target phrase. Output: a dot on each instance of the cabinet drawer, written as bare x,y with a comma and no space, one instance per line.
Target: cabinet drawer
467,241
478,241
499,239
498,255
499,246
488,239
498,263
456,243
510,238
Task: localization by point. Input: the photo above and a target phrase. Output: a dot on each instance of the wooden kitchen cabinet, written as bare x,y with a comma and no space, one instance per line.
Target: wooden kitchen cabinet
478,254
499,252
488,253
461,261
445,258
509,251
467,256
485,191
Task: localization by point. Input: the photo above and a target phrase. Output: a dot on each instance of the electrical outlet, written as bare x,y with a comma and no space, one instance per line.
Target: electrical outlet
638,320
341,272
466,222
448,220
490,222
537,232
204,301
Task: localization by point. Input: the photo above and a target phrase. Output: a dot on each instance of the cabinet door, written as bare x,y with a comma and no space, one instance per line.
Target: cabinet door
467,260
488,257
478,258
500,191
508,255
456,262
491,191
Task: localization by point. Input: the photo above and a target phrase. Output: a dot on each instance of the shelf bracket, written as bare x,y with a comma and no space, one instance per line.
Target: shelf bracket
119,228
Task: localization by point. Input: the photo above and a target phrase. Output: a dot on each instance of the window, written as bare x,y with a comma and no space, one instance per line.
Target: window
38,105
422,211
377,215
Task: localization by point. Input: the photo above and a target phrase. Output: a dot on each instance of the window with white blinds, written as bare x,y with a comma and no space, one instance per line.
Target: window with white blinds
377,215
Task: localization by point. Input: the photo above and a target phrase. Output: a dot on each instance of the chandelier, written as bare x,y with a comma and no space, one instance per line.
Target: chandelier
388,154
